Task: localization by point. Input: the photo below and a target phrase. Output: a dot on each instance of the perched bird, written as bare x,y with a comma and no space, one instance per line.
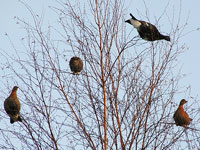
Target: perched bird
12,106
181,118
76,65
146,30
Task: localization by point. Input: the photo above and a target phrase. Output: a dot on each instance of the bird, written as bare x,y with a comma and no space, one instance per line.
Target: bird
76,65
12,106
146,30
181,117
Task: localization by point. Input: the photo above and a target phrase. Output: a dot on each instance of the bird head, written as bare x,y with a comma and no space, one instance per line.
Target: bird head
15,88
183,101
128,21
132,17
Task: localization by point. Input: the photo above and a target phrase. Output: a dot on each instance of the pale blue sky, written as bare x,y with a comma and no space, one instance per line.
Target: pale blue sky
189,60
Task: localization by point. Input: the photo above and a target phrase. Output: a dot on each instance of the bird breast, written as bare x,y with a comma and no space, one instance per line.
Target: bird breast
182,117
135,23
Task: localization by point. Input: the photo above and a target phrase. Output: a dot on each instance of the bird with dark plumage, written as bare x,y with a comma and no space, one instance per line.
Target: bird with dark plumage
147,31
181,117
76,65
12,106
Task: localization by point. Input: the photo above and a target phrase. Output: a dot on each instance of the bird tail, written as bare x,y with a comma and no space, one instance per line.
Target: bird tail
12,120
167,38
19,119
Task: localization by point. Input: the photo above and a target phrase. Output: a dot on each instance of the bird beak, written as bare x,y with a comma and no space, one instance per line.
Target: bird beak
185,101
128,21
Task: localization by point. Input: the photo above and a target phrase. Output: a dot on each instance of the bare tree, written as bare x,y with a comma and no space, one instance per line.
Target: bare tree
123,98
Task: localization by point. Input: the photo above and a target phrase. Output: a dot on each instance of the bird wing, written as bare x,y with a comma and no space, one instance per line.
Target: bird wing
11,106
181,117
186,116
148,29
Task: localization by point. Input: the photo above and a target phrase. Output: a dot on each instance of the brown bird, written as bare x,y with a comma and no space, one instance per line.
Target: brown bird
181,118
76,65
12,106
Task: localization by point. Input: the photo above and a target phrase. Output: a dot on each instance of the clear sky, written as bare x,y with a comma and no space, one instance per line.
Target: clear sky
189,60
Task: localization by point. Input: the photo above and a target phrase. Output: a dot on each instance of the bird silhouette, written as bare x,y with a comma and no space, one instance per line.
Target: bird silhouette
147,31
12,106
76,65
181,117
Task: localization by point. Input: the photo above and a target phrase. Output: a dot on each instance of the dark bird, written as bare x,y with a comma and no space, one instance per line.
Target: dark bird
76,65
12,106
181,118
147,31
